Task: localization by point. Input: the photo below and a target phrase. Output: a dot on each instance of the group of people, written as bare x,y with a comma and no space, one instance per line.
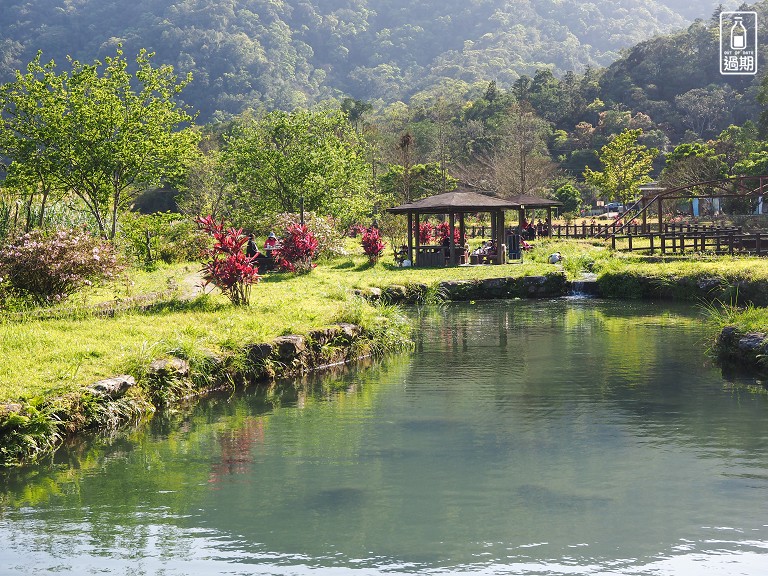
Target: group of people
529,232
264,260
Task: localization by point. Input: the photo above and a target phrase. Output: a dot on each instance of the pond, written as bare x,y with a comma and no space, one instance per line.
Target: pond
559,437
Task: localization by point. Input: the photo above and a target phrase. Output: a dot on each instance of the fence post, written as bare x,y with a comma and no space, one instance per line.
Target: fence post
663,240
650,237
613,242
629,237
758,247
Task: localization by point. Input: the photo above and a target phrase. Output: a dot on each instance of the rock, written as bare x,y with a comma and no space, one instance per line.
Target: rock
349,331
113,388
257,352
373,294
289,347
169,368
534,286
458,290
753,344
10,408
394,293
495,287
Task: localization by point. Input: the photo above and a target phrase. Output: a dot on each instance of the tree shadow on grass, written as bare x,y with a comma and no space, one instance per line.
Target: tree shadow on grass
344,265
202,303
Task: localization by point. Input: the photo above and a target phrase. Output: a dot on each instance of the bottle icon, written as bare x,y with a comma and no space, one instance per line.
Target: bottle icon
738,34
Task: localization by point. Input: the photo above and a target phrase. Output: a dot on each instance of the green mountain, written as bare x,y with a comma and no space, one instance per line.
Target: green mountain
288,53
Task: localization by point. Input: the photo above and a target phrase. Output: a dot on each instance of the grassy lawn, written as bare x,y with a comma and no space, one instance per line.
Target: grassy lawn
64,352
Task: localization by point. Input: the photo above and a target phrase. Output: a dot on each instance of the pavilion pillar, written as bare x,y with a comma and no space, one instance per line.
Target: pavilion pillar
418,236
410,238
645,215
451,238
462,229
501,244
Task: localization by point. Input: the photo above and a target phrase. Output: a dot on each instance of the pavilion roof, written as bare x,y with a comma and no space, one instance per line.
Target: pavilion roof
462,200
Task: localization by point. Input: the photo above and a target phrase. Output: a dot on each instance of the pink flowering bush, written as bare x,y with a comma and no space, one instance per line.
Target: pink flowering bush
372,244
228,268
298,248
50,267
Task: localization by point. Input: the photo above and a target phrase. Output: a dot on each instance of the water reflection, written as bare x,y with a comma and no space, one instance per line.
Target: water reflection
566,437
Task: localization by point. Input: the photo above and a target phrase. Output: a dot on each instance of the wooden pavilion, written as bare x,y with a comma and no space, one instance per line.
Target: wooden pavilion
456,204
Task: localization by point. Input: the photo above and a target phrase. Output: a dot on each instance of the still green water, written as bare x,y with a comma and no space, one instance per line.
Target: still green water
562,437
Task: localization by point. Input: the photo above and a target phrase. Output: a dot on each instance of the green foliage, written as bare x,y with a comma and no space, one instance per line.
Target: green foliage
423,180
26,434
95,135
626,165
282,159
691,163
282,54
160,237
570,196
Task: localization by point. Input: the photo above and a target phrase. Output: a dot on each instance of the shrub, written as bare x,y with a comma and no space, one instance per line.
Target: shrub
425,232
372,244
50,267
228,268
443,230
298,248
325,229
163,236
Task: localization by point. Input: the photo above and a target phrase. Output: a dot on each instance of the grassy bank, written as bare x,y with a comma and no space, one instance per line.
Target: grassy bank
73,348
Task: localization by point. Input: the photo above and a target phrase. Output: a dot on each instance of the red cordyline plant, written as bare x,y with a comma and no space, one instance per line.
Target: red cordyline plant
443,230
298,248
372,244
51,266
425,232
228,268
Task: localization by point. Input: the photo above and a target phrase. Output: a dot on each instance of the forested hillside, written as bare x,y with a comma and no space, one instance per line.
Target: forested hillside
288,53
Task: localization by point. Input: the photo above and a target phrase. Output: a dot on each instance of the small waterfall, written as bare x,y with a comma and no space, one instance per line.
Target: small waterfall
585,287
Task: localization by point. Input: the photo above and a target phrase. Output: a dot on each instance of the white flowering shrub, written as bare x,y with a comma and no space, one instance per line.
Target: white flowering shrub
50,267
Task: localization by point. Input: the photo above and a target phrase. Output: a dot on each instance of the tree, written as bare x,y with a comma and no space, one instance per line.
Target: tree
570,196
691,163
282,159
521,162
29,109
424,180
626,165
96,135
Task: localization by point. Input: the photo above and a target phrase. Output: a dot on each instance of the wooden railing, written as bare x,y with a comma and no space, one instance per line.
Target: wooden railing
718,241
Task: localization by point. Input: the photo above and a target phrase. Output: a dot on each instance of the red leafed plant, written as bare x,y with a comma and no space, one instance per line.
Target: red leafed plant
298,248
425,232
228,268
443,230
372,244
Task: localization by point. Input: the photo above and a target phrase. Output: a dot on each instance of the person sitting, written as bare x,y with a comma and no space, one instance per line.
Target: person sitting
251,250
270,243
530,232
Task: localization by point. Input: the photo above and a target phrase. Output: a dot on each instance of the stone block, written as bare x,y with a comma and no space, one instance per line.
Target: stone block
113,388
